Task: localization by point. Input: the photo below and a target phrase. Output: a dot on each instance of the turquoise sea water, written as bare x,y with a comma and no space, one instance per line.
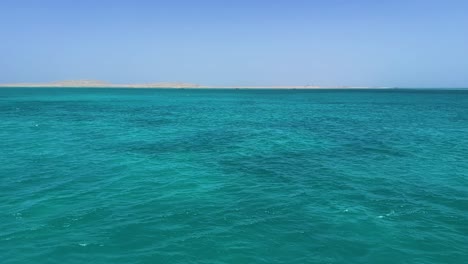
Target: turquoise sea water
233,176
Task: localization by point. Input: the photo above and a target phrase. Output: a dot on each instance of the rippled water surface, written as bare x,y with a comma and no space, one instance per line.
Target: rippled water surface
233,176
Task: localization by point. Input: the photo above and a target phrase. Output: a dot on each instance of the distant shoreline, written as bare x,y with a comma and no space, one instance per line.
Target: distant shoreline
90,84
205,87
164,85
226,87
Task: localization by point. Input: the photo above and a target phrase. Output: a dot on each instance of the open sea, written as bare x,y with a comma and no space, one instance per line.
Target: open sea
233,176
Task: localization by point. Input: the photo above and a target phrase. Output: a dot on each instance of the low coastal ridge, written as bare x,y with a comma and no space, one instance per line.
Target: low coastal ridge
102,84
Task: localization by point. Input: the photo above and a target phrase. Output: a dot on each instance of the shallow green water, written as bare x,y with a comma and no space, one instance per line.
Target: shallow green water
233,176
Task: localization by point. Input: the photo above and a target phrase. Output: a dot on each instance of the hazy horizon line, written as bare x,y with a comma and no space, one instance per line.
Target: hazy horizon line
90,83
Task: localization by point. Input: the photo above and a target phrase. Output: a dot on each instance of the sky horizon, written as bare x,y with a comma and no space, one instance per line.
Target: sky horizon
410,43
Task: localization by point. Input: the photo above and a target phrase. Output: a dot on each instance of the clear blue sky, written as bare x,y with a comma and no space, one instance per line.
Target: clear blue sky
406,43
